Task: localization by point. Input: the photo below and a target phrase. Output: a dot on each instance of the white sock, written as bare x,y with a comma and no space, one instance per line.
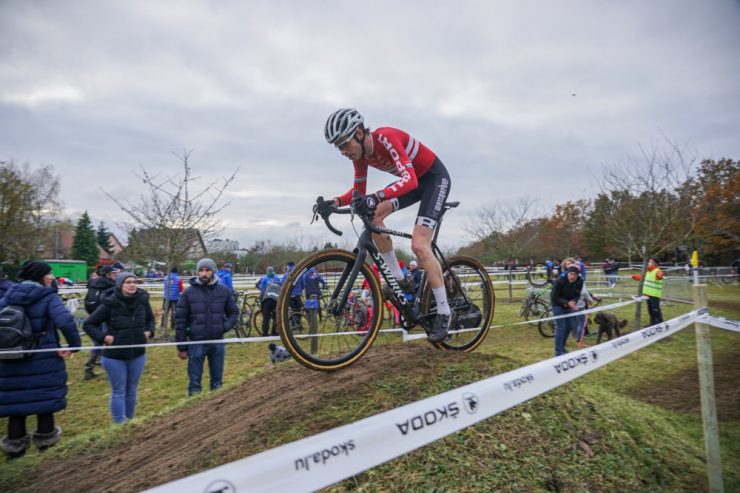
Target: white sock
392,261
440,296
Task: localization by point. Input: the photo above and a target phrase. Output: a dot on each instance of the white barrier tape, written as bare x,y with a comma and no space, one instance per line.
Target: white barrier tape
723,323
233,340
412,337
324,459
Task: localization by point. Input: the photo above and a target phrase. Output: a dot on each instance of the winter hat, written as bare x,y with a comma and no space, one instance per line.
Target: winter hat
271,271
413,263
278,353
228,265
122,276
34,271
573,268
207,263
106,269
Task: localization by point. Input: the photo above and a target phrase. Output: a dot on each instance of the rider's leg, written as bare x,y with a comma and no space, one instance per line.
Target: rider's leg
384,242
421,244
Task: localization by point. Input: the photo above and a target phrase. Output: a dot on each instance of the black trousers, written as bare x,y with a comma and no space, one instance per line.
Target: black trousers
17,425
268,307
656,316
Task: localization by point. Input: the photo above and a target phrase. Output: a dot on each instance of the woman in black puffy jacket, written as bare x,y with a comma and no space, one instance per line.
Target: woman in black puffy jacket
128,315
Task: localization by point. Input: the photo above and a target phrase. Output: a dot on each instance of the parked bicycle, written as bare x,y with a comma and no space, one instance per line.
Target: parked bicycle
534,306
247,303
337,340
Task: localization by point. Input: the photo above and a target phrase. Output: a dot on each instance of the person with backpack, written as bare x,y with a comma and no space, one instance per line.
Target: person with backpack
36,384
128,316
206,311
96,287
269,287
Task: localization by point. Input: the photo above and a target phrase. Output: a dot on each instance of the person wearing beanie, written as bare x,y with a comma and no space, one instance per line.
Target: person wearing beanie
206,311
269,286
564,295
36,385
128,316
105,281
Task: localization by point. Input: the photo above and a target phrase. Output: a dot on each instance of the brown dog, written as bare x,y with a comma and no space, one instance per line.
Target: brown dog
607,323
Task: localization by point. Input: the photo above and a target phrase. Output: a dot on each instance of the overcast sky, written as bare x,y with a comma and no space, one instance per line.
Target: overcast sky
518,99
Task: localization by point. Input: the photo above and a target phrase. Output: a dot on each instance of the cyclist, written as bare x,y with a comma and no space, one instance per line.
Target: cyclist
422,178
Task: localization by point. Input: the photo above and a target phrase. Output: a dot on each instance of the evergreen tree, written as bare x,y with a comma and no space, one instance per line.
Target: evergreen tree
85,245
103,235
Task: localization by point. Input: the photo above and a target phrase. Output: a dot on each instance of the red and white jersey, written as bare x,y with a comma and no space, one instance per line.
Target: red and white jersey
398,153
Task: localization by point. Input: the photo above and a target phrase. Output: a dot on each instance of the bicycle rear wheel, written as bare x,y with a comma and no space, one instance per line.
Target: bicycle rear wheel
333,340
538,274
546,327
471,299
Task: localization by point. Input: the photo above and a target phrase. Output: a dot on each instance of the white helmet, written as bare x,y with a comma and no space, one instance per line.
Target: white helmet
341,125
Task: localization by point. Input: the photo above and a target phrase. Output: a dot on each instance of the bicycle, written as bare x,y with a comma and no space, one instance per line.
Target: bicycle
336,341
245,323
535,306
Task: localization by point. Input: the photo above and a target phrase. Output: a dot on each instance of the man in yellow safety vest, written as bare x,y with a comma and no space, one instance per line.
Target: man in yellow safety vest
653,289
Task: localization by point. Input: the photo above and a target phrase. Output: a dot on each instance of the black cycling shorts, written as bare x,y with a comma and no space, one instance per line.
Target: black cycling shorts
431,193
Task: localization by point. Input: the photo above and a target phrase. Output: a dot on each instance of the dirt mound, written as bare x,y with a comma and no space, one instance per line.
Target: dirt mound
236,424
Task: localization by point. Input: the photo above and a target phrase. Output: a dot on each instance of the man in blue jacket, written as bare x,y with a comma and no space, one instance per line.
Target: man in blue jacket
206,311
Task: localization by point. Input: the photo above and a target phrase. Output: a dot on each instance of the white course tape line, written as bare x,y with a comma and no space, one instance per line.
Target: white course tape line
723,323
324,459
234,340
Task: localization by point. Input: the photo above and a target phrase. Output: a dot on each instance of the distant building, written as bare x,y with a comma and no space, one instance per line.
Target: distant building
219,245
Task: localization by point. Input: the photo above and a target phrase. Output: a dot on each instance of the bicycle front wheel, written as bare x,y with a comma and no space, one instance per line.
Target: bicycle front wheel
471,299
333,339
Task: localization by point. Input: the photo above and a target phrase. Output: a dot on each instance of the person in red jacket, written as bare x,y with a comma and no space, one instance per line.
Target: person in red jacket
422,178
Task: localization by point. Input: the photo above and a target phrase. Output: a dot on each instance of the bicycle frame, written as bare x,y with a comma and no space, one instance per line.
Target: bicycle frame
365,245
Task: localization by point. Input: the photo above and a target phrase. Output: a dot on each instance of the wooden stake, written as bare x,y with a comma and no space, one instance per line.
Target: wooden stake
706,391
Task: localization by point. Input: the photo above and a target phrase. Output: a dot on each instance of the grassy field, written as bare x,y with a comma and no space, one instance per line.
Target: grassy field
631,425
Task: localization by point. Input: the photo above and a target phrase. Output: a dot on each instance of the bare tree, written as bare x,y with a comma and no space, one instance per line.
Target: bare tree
507,229
640,207
171,220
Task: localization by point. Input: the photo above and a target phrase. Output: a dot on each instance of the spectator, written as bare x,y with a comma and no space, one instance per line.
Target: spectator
205,312
653,289
296,302
170,296
226,276
564,295
128,319
269,287
96,288
36,385
415,274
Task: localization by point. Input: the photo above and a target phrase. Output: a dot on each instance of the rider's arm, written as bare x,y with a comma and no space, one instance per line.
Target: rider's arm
360,184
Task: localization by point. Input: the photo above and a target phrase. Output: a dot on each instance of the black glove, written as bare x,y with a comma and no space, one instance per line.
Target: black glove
324,207
365,204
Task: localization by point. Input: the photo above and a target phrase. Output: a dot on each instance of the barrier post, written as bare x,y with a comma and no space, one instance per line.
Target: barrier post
706,391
